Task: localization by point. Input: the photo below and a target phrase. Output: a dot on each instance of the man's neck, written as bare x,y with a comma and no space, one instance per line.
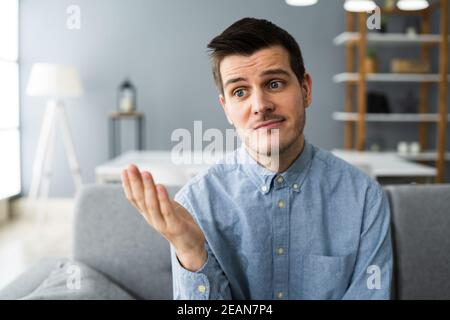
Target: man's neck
285,158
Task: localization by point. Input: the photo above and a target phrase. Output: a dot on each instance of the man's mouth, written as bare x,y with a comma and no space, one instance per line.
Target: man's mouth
270,124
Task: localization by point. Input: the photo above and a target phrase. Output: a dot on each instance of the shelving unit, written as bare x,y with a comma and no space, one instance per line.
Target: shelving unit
424,156
355,79
389,117
388,77
378,39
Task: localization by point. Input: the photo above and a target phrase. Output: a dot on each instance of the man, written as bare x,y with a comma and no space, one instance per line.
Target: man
307,226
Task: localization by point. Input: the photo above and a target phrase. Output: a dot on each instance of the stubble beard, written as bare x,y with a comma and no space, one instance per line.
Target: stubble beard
267,149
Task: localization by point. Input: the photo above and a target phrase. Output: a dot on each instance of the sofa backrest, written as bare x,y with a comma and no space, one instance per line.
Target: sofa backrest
420,224
111,236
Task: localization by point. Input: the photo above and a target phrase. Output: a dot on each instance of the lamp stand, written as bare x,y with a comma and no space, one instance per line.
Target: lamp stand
42,170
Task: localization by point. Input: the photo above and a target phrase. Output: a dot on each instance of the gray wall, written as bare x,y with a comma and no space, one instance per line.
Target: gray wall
161,46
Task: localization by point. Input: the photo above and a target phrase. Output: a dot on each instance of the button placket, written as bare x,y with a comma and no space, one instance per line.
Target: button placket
281,239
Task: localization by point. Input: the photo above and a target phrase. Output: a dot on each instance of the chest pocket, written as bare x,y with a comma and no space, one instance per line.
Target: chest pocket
326,277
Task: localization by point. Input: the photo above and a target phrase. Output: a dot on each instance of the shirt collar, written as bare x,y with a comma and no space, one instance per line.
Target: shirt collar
265,179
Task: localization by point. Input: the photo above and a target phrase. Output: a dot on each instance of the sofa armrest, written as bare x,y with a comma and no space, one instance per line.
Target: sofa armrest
29,280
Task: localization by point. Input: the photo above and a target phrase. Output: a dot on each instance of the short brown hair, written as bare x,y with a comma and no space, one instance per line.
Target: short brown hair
249,35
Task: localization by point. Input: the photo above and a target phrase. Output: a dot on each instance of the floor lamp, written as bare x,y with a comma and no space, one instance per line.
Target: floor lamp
55,82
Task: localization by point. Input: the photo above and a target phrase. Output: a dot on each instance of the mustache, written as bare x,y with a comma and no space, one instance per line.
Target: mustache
272,117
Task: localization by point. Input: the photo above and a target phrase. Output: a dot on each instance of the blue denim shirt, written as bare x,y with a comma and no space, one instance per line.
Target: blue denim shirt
320,230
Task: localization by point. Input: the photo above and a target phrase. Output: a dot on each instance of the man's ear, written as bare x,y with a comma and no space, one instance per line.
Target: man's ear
307,90
222,103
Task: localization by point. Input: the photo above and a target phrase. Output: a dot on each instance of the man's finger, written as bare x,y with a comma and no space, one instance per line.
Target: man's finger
127,188
126,184
137,187
151,200
164,202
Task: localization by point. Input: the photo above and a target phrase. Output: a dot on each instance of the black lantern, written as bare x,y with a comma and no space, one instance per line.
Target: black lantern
126,98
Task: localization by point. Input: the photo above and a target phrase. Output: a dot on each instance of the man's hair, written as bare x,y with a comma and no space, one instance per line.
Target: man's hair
248,35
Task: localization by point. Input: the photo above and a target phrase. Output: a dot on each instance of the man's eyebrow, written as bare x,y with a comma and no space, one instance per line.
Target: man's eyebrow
234,80
275,72
265,73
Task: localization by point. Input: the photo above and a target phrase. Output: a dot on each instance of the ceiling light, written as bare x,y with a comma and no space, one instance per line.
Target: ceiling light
412,5
301,3
359,5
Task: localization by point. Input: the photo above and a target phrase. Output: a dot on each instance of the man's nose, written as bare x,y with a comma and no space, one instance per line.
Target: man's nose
261,103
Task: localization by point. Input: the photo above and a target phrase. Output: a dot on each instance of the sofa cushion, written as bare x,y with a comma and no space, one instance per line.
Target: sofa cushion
73,280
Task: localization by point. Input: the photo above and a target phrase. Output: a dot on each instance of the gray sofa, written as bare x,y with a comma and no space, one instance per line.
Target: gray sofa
118,256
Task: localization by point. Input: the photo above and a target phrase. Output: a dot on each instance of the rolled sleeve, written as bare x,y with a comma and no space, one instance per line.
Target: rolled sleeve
209,282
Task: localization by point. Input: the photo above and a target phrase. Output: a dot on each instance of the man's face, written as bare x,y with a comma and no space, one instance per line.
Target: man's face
262,93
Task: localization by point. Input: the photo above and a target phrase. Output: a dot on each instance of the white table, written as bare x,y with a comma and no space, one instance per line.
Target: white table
386,164
383,165
159,163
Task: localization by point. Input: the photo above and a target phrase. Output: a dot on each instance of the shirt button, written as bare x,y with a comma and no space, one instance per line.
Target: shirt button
201,288
280,180
281,204
280,251
295,186
280,295
264,188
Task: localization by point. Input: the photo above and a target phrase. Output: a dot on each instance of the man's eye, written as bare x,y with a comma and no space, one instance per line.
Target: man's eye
275,84
239,93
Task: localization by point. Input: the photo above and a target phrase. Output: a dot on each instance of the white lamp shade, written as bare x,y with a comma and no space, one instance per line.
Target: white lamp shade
301,2
53,80
359,5
411,5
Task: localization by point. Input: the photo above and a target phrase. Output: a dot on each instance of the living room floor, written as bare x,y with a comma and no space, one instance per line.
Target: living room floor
34,232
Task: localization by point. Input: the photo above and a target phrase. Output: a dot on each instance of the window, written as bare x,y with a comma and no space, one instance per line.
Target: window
9,99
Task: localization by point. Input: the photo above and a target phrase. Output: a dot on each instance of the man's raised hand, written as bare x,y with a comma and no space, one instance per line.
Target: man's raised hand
166,216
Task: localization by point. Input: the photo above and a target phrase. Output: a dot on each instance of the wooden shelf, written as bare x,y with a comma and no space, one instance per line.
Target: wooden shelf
357,39
120,114
388,77
423,156
387,38
389,117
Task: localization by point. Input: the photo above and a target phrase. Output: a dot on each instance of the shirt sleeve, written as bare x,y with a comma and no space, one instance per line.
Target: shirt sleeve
207,283
372,274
